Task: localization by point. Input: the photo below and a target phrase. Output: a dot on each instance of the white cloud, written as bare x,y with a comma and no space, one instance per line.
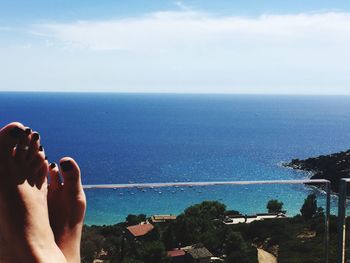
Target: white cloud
188,51
190,29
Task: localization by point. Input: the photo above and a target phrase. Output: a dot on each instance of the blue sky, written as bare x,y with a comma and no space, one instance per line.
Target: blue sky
16,11
270,47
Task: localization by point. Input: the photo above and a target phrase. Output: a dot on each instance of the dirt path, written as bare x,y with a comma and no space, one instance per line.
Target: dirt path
265,257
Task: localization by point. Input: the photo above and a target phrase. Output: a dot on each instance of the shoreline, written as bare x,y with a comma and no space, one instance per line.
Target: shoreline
331,167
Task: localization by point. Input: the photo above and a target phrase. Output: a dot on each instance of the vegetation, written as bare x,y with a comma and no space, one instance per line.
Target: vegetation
274,206
331,167
299,239
309,207
132,220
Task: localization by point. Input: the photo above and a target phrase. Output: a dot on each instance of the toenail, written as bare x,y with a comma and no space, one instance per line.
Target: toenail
66,166
41,148
52,165
22,147
17,132
36,136
28,130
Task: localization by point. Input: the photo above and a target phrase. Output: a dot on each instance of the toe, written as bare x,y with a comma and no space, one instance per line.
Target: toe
22,148
34,145
41,175
10,135
37,162
55,180
71,174
72,191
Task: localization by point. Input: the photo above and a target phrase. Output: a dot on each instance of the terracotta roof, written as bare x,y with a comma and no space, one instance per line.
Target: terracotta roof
140,230
176,253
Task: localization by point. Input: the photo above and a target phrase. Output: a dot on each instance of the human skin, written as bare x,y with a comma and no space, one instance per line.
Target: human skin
67,205
24,217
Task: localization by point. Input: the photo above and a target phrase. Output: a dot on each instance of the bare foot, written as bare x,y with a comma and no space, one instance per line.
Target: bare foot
67,205
24,218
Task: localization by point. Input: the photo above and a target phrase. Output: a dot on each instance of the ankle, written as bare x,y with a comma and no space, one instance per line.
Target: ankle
70,247
53,253
40,250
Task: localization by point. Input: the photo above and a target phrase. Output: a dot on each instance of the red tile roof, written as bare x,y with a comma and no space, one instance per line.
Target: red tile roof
140,230
176,253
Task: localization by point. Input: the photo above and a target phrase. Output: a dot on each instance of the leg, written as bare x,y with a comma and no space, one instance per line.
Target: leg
67,205
24,219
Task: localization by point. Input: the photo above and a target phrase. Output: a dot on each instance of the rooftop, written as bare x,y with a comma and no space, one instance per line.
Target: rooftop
140,230
199,252
176,253
162,218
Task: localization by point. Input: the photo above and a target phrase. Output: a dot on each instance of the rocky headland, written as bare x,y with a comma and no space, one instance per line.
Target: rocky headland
331,167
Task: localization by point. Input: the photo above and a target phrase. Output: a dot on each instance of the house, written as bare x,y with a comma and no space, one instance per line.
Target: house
177,256
162,218
139,231
191,254
252,218
198,254
270,216
236,219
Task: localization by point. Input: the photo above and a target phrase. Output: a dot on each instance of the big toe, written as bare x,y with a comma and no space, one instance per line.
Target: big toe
73,190
10,135
71,174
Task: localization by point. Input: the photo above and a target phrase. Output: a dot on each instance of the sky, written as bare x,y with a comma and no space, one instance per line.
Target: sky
193,46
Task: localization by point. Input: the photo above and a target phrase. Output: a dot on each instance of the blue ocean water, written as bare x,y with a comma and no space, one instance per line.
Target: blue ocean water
121,138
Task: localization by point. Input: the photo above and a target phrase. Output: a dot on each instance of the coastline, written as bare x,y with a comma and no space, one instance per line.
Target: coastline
331,167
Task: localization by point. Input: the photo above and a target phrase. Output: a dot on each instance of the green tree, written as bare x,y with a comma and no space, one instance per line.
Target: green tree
131,260
309,207
92,243
274,206
207,209
132,220
237,249
169,237
153,252
195,224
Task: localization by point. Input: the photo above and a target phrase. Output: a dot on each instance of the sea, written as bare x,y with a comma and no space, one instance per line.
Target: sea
145,138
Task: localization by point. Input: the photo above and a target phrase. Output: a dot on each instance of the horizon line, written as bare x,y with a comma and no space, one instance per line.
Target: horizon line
178,93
